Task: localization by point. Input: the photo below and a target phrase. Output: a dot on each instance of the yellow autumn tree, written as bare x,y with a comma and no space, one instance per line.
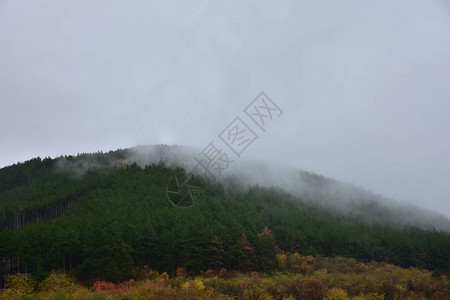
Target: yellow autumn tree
19,285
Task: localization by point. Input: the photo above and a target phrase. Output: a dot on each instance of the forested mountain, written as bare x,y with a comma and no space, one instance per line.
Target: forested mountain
102,215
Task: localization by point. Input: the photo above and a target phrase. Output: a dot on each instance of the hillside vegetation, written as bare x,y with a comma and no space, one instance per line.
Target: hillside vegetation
120,219
299,277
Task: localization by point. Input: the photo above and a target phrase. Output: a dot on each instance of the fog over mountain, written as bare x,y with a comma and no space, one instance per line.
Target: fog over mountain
339,197
363,87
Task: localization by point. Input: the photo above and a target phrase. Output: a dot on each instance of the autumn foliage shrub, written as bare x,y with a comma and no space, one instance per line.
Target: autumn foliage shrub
181,272
210,273
197,284
337,294
58,282
312,289
223,273
101,286
164,277
328,279
19,285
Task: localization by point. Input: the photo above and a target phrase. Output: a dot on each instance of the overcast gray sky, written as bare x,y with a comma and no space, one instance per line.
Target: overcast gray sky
364,85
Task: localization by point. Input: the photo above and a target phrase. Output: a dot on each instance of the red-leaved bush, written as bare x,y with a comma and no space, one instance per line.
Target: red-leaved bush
100,286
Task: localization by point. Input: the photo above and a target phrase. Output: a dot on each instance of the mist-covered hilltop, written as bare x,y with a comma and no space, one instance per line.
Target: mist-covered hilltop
339,197
342,198
102,215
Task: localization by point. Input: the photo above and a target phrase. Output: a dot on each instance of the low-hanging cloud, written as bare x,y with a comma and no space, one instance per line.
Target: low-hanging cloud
363,85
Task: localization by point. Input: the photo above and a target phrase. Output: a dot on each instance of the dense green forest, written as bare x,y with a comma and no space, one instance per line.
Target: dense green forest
119,219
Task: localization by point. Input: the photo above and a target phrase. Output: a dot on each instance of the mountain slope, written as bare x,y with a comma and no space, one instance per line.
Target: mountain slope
122,219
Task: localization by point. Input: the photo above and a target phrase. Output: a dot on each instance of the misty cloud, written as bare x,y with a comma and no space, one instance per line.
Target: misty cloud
363,85
313,189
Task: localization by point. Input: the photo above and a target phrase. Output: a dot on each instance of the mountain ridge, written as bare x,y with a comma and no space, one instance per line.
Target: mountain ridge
124,219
